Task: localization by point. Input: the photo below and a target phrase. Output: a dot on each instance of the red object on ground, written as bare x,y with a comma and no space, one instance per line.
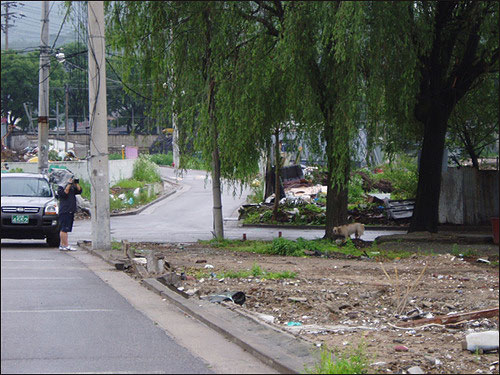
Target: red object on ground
173,164
495,224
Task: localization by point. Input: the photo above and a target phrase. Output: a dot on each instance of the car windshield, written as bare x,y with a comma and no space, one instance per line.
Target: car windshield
25,187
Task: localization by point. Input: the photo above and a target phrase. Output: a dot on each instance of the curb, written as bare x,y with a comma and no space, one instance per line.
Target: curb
442,228
279,350
139,210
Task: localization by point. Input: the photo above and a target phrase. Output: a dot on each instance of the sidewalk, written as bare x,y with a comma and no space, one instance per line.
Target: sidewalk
278,349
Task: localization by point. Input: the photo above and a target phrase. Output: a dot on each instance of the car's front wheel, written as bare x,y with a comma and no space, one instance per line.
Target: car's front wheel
53,240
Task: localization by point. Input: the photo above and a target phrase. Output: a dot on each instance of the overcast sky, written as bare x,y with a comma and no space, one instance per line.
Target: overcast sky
27,29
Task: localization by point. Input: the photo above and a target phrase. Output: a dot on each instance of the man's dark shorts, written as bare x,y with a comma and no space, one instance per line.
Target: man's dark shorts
66,222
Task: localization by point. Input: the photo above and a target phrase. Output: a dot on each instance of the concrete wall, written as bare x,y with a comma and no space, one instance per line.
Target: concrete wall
115,142
118,169
468,196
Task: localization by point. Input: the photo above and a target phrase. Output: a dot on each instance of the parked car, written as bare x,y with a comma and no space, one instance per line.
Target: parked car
29,208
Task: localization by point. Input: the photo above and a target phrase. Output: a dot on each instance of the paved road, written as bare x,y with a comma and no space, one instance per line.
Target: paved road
58,316
186,216
74,313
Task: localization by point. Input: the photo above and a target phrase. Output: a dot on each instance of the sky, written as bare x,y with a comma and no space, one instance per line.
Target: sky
25,32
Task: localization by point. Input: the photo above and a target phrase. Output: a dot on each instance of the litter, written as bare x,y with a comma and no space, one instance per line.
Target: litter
293,324
208,266
237,297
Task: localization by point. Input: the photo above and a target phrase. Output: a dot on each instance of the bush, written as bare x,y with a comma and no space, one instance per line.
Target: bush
356,193
145,170
163,159
404,178
115,156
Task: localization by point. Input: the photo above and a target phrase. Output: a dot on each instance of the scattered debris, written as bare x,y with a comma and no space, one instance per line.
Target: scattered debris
236,297
484,341
454,318
401,348
415,370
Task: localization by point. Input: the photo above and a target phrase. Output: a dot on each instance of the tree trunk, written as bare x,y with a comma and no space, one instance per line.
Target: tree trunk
277,165
426,212
336,199
218,222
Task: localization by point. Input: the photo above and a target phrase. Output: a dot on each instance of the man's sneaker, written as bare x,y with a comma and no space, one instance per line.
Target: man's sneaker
63,248
69,248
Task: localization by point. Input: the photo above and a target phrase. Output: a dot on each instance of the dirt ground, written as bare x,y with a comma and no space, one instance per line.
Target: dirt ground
341,302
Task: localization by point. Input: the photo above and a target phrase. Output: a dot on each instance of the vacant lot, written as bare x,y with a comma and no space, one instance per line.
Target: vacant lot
342,302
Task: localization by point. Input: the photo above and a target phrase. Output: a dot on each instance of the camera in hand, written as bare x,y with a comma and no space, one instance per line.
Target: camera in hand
76,180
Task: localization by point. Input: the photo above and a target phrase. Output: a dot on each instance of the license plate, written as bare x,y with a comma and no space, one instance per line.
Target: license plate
20,219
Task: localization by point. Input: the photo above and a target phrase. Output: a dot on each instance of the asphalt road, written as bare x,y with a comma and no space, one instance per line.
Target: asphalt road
58,316
186,216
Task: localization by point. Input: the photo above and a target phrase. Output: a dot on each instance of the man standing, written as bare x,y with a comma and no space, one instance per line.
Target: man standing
67,209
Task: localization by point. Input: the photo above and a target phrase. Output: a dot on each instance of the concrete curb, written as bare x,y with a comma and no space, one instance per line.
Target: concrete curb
279,350
442,228
139,210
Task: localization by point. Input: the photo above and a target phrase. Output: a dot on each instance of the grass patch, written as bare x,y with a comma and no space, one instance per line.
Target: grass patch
285,247
351,361
129,184
256,271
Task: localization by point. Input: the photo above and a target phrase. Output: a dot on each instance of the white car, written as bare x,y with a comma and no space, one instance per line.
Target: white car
29,208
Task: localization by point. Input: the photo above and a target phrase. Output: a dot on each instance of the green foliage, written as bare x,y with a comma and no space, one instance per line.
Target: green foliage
163,159
404,178
351,361
115,156
54,155
145,170
356,193
129,184
85,185
16,170
282,246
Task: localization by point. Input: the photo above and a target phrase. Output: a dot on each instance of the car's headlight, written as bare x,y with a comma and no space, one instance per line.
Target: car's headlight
51,208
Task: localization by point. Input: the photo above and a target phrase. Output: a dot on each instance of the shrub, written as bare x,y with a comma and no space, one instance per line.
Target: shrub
145,170
115,156
404,178
355,189
163,159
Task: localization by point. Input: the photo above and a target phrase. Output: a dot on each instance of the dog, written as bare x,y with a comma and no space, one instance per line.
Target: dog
346,230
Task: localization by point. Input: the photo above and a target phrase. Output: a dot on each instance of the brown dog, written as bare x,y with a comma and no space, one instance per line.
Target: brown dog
346,230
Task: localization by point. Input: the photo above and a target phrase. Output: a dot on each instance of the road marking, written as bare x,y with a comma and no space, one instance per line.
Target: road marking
51,311
41,278
28,260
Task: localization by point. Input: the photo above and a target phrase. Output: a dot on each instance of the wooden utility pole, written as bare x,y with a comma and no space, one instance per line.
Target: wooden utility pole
43,93
99,169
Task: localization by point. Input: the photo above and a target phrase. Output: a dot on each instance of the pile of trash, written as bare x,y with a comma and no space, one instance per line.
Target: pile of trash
302,202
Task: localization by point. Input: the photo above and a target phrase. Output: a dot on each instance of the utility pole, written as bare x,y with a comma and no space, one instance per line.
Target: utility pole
9,15
99,177
66,118
43,93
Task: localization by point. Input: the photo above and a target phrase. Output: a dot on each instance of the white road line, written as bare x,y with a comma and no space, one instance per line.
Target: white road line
54,311
41,278
28,260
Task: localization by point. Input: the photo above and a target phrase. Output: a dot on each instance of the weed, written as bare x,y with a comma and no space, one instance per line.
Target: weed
145,170
85,185
16,170
163,159
351,361
129,184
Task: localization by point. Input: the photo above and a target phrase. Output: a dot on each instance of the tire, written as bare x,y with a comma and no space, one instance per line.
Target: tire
53,240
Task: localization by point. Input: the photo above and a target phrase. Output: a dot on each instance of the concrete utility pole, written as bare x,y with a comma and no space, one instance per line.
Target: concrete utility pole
9,15
99,176
66,90
43,93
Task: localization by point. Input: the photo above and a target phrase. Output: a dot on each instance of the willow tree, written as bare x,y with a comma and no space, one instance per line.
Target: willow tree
193,54
320,45
430,54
